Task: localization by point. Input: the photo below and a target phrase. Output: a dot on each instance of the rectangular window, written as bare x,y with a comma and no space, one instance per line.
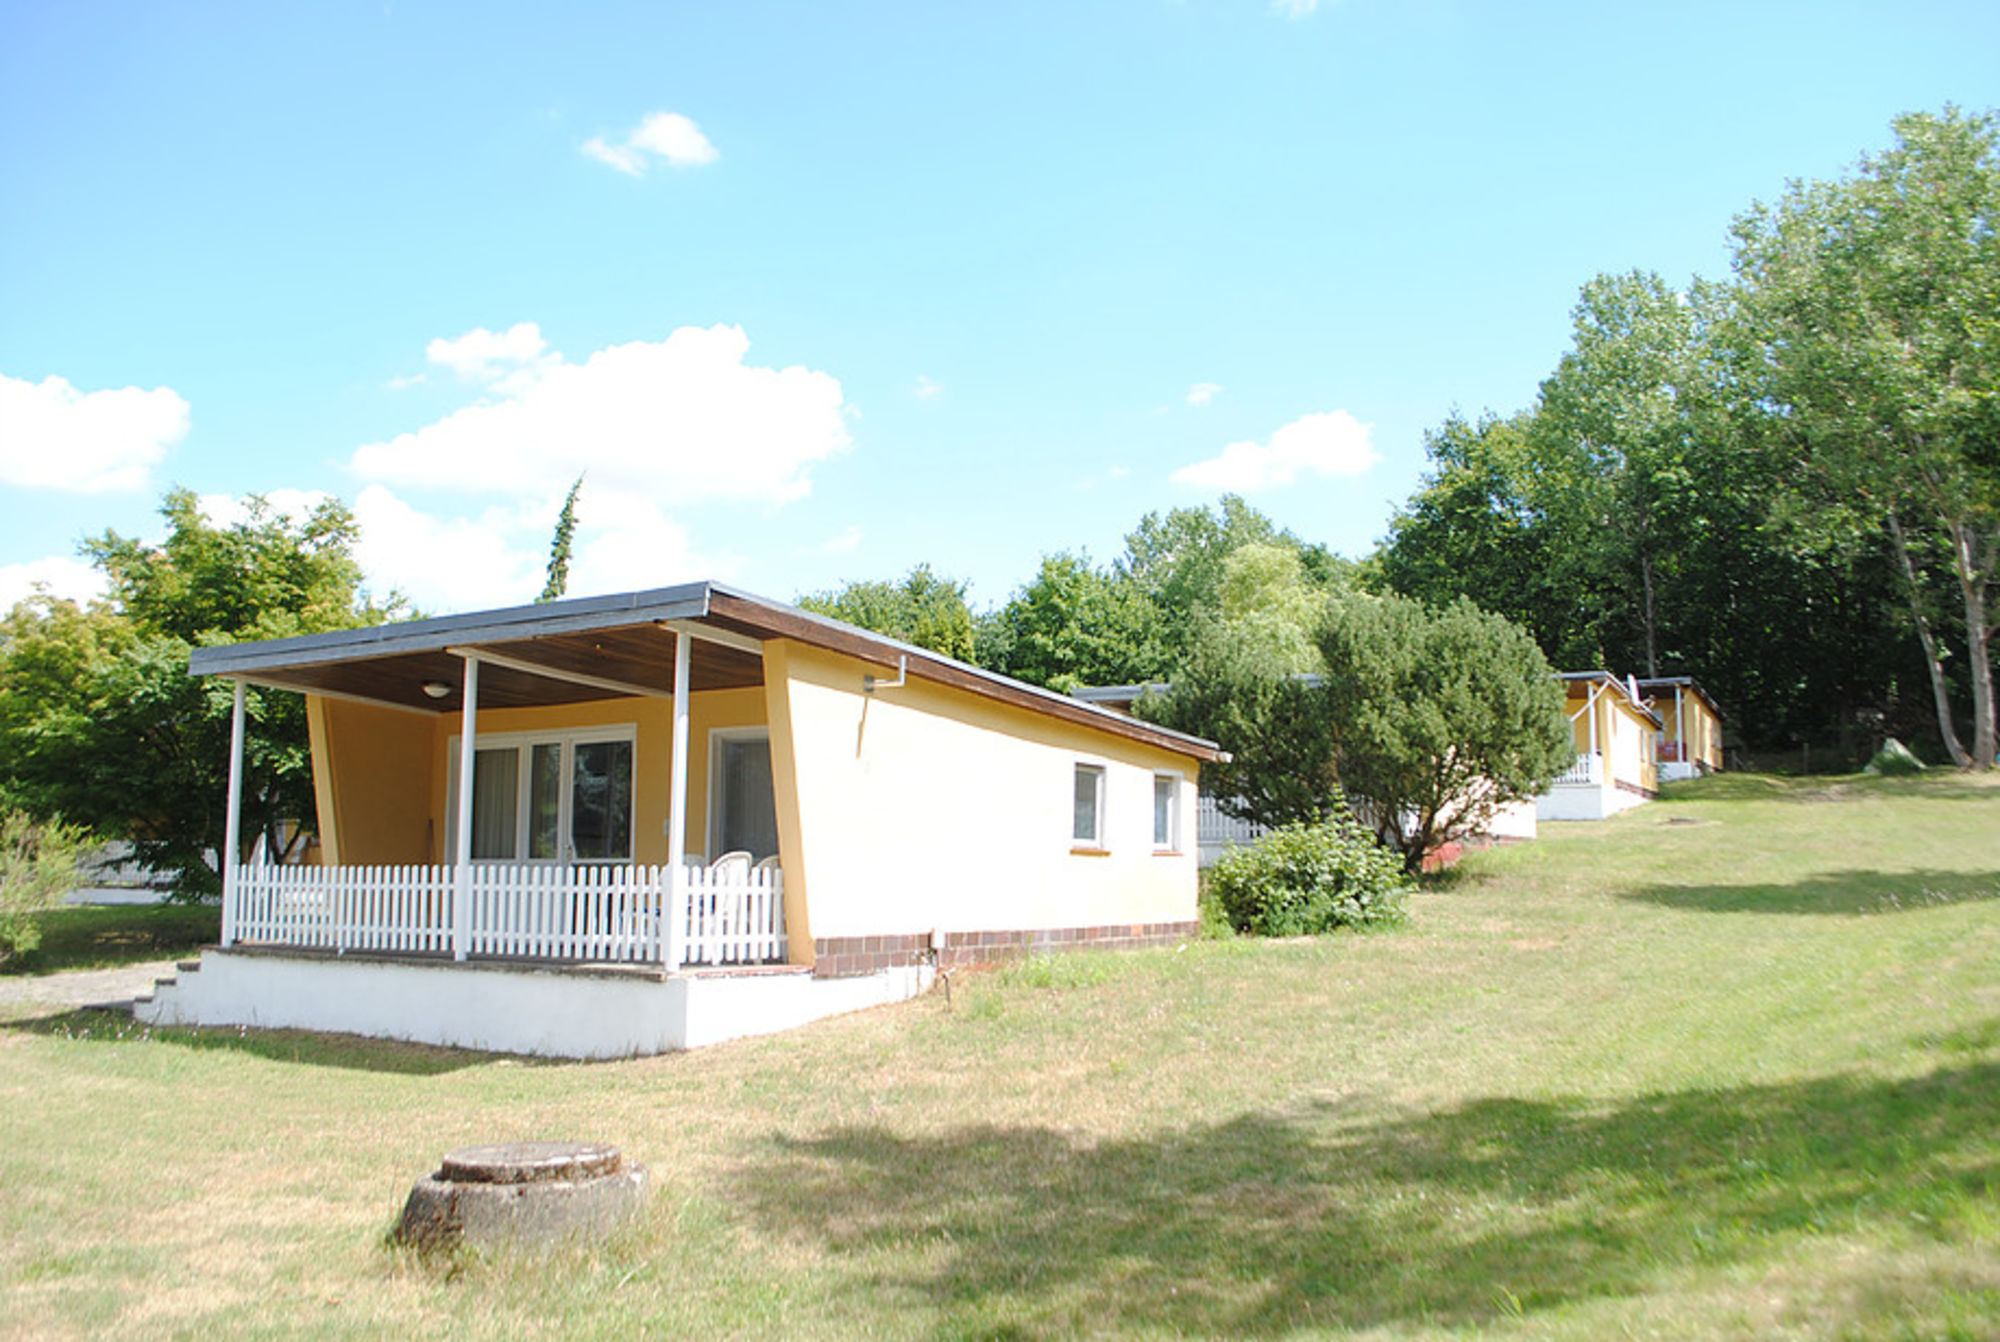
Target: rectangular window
1166,813
1087,825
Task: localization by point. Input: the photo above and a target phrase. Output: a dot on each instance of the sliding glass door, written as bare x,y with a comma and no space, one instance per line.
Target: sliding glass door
547,797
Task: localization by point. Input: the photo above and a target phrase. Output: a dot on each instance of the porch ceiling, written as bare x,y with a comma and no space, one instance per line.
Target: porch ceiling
641,657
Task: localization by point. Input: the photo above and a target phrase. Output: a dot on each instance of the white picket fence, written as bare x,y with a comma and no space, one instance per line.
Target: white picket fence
596,914
1585,770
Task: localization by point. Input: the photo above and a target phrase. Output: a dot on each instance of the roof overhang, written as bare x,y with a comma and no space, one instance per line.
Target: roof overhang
1626,694
1666,685
593,648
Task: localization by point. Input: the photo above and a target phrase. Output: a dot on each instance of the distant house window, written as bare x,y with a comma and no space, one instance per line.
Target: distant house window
1166,812
1087,827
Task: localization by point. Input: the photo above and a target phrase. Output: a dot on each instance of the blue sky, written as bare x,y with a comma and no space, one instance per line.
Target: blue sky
818,292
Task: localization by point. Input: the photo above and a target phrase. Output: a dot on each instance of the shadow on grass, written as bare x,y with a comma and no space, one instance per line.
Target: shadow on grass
99,936
352,1052
1268,1223
1834,892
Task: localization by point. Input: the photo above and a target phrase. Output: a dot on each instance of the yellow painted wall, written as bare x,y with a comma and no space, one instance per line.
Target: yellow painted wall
1624,734
925,807
372,778
382,775
1704,730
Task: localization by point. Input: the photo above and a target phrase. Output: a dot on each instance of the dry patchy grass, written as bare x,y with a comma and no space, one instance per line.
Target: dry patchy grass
1731,1078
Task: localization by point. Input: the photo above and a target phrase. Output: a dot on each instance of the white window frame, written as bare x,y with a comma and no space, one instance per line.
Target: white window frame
1172,843
1097,841
717,738
523,742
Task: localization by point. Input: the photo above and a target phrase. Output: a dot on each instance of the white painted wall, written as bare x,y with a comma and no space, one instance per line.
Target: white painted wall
510,1009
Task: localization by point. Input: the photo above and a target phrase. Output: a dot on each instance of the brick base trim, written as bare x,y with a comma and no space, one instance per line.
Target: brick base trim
1649,794
840,957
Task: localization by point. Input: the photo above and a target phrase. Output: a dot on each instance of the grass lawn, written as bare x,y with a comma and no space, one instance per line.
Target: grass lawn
102,936
1728,1065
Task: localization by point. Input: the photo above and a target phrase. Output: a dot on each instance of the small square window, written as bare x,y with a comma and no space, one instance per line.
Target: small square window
1087,826
1166,812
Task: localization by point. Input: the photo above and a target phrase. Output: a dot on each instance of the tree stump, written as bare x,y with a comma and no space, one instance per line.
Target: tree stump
522,1196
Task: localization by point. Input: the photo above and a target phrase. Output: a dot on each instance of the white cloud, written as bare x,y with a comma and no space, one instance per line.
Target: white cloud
1111,475
1201,393
62,576
674,138
663,135
404,383
628,161
682,421
1294,9
626,544
226,510
1329,444
445,564
926,390
847,541
499,557
53,436
481,355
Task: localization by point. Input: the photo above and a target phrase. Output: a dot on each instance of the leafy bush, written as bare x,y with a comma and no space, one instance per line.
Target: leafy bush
1303,879
37,868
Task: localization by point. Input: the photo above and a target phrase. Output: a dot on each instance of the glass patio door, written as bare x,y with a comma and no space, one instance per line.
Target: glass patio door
548,799
743,808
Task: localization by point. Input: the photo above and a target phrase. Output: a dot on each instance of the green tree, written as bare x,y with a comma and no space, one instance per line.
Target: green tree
100,722
1250,683
1478,527
1439,717
924,609
1073,625
559,546
1876,305
1273,722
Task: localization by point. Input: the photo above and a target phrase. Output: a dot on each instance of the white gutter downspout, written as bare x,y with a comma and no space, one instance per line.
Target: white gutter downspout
461,896
232,828
670,937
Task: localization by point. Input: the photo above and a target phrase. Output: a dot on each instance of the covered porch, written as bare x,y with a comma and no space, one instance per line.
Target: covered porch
519,790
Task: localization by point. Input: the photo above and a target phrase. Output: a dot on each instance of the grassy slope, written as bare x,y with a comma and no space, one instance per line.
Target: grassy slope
1733,1077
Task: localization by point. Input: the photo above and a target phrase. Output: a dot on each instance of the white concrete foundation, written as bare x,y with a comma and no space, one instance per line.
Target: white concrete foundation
546,1011
1585,801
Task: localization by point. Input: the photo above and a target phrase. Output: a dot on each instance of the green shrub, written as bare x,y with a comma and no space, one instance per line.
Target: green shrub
1305,879
37,868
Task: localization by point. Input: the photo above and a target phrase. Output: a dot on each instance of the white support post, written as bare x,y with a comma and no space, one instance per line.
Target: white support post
232,828
1681,731
461,895
1591,707
676,910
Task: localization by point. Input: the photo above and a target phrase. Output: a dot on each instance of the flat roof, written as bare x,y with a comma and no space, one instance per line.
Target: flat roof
1647,684
604,647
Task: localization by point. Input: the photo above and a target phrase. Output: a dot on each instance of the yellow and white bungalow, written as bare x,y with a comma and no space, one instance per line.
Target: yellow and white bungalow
1616,737
621,825
1690,739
